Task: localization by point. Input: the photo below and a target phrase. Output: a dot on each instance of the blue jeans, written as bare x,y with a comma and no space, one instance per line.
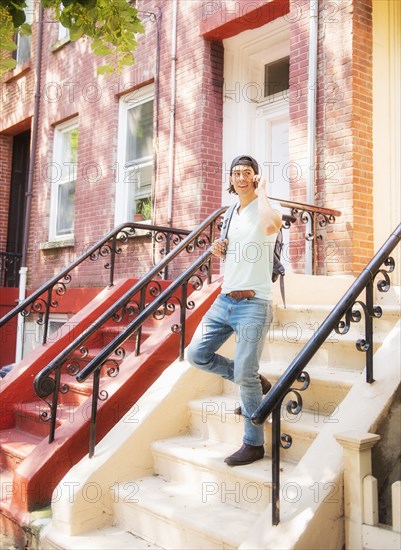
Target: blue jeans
249,319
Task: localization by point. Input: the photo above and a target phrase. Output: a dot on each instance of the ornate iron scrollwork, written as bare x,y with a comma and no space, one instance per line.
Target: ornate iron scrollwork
294,406
130,309
383,285
171,240
351,316
45,387
167,308
308,216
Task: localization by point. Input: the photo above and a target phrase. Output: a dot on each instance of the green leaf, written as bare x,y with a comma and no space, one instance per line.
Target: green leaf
25,29
127,59
17,14
76,32
8,44
100,49
104,69
8,63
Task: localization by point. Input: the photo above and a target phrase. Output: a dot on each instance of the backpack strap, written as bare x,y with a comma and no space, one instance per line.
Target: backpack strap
227,221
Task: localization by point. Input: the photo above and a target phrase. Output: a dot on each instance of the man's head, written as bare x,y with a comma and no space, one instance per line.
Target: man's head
240,167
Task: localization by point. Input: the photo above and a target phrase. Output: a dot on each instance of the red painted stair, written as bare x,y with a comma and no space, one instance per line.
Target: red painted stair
29,463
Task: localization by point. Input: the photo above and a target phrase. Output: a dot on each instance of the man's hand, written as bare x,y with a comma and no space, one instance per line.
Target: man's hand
219,248
261,184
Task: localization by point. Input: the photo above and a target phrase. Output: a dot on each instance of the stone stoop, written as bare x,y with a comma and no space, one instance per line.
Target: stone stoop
99,539
193,496
193,499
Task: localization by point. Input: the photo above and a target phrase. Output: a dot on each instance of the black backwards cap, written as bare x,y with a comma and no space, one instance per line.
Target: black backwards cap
246,160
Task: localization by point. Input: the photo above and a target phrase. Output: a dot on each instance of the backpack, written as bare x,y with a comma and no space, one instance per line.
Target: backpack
278,268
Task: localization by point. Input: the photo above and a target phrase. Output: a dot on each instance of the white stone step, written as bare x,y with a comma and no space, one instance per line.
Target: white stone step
100,539
338,351
199,465
312,316
283,344
327,388
213,418
169,515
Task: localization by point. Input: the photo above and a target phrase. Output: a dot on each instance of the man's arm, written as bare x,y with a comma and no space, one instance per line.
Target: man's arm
269,219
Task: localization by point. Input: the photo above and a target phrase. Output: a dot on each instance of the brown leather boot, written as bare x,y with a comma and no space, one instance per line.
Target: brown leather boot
245,455
266,385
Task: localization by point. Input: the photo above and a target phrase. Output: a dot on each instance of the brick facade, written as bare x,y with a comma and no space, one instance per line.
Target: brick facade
344,128
70,88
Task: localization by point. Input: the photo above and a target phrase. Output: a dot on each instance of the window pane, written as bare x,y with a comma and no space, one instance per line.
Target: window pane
23,52
23,49
139,132
277,76
65,208
140,180
69,147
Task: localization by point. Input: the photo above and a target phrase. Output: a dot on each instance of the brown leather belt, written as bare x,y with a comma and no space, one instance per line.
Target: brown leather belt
241,294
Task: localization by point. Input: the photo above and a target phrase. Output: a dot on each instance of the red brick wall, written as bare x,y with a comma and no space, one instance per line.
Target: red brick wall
70,87
344,179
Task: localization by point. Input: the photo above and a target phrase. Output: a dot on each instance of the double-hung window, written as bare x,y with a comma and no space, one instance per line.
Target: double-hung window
63,175
135,156
23,52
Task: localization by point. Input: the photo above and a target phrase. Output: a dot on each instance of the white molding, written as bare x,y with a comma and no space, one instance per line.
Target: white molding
245,56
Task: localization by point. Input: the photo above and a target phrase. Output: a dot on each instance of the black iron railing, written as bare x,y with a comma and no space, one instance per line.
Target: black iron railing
133,304
46,298
348,310
10,263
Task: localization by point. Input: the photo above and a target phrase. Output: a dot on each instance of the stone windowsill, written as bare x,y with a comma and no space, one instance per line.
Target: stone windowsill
49,245
19,71
60,44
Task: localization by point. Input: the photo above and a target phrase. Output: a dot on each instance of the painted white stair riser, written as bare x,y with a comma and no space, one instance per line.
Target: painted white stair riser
323,396
165,513
215,486
232,431
312,317
282,345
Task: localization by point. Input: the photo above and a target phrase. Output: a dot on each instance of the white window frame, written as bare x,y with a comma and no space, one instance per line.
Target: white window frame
57,179
134,99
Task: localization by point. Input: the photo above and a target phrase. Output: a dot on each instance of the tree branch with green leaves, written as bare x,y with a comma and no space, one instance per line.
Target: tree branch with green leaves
112,25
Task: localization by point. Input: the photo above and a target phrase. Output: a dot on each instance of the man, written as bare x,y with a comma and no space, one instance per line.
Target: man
244,306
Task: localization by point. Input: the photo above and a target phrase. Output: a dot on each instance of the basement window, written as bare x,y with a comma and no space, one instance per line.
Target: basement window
33,331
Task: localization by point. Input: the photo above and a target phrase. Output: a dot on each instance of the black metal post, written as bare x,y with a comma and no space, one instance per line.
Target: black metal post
47,315
53,409
369,332
139,331
95,396
165,272
183,313
276,438
112,260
